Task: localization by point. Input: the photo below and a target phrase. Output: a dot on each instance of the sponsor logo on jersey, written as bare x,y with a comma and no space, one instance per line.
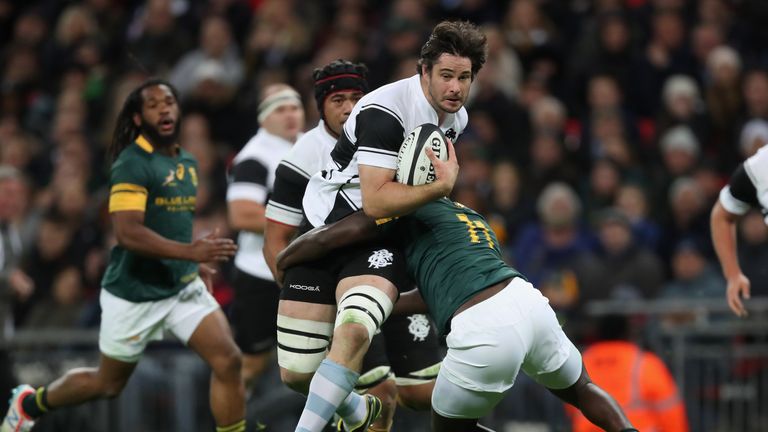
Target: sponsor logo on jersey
177,203
419,327
380,258
304,287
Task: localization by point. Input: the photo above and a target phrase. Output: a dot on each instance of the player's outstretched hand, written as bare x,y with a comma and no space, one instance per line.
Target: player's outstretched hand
445,171
213,248
738,288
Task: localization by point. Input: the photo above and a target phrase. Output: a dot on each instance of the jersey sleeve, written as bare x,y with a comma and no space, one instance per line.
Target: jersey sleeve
379,136
284,204
248,182
740,194
129,186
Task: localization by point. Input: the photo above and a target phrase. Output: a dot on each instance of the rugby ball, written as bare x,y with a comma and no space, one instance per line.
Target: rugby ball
413,165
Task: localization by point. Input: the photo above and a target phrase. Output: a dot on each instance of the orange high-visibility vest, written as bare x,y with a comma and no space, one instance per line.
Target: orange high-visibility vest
640,383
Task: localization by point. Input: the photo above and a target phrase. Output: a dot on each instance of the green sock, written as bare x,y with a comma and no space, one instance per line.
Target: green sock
36,404
235,427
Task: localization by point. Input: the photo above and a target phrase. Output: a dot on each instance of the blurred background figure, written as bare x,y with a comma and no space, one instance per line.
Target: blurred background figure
638,380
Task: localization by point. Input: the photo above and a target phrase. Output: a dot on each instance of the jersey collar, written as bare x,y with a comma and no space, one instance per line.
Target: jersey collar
144,144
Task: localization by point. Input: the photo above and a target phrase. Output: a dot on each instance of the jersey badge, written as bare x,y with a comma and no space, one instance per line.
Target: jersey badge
450,134
169,178
380,258
419,327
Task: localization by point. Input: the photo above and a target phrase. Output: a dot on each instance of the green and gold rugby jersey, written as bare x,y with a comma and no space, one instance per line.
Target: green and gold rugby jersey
452,254
165,189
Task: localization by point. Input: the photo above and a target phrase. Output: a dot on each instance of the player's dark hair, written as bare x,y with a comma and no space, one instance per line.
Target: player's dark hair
125,130
459,38
336,76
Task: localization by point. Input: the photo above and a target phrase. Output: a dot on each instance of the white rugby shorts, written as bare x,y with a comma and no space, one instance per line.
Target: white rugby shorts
127,327
491,341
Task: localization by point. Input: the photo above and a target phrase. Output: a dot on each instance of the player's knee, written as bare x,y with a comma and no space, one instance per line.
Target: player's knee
366,306
352,334
296,381
228,364
416,397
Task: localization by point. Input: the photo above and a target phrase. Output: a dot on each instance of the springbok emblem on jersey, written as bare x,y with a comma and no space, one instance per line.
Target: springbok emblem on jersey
169,178
419,327
380,258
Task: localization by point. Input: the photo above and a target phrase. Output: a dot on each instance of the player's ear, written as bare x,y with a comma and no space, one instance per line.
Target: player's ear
137,119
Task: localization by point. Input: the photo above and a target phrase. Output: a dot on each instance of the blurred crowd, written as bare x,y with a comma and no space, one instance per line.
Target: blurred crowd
600,131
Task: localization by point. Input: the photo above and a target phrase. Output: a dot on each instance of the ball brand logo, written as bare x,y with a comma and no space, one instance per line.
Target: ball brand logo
304,287
435,143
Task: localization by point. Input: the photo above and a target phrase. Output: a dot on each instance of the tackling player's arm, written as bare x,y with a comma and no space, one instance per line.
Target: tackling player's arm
383,197
133,235
318,242
410,303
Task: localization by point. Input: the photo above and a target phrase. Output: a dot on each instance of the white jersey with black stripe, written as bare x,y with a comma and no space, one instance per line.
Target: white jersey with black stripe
748,186
251,178
372,136
309,155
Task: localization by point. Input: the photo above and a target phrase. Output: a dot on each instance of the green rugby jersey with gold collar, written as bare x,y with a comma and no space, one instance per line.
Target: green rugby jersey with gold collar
165,189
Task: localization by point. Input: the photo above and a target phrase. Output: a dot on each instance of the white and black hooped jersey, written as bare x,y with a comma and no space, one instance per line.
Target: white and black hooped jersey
251,178
372,136
309,155
748,186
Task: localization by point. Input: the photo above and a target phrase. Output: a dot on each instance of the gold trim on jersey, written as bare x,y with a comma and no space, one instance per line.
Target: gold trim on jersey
127,197
144,144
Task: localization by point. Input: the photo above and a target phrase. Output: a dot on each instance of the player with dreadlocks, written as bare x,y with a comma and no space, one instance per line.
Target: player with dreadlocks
153,279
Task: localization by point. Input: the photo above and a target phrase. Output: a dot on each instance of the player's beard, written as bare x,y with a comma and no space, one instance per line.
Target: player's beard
156,138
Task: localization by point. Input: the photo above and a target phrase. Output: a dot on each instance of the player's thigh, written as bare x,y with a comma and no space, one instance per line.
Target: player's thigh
487,344
305,317
552,359
414,351
454,401
379,266
253,313
192,305
127,327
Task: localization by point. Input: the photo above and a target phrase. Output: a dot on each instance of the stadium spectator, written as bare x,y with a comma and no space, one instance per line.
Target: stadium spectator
754,135
630,271
16,286
693,277
638,379
63,306
216,51
632,200
555,253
